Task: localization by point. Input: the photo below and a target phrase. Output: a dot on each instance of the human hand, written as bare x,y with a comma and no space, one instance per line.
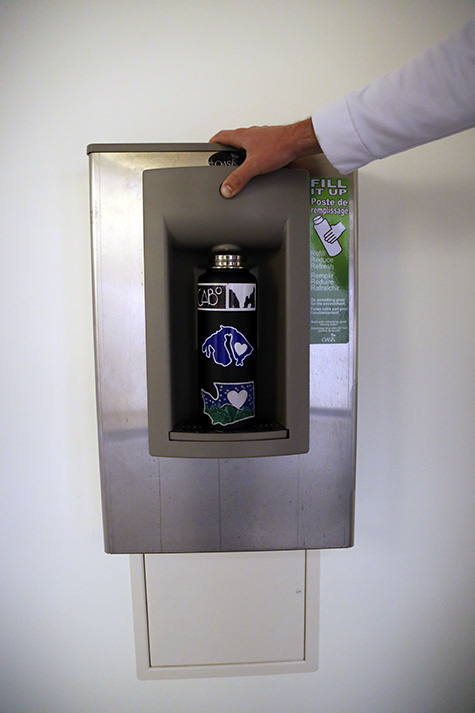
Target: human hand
267,149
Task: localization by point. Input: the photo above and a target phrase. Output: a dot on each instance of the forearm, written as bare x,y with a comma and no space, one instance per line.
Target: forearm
424,100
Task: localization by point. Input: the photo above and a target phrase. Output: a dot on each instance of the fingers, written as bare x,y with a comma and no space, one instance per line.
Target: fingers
236,180
227,136
241,176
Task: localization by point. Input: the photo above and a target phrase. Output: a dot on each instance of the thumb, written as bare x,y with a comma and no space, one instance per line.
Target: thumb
235,182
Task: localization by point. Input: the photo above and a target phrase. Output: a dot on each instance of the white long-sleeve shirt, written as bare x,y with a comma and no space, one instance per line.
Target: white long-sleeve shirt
429,98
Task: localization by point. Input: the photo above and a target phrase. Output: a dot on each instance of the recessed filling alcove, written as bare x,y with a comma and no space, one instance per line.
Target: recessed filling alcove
185,217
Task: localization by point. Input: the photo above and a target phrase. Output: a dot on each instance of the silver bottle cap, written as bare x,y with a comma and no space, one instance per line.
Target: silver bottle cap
227,256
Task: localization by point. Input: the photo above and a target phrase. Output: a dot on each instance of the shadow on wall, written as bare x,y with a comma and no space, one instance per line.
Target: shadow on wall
408,235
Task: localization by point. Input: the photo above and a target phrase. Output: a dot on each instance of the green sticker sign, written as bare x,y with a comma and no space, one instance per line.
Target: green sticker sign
329,225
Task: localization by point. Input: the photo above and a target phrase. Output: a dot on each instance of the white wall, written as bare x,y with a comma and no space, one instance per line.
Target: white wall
397,611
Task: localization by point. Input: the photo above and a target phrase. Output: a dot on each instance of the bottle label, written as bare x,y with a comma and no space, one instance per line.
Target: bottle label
232,403
229,296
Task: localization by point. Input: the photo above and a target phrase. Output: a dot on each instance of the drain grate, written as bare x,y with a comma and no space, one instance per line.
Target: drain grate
260,426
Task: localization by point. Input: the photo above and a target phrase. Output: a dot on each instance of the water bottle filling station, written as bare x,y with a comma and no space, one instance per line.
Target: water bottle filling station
226,407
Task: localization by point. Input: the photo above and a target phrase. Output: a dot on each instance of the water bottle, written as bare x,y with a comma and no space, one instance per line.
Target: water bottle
227,341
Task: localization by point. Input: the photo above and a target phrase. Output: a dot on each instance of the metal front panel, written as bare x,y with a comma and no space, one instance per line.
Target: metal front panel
198,505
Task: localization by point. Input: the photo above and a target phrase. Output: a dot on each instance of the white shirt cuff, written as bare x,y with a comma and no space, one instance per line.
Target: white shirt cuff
339,139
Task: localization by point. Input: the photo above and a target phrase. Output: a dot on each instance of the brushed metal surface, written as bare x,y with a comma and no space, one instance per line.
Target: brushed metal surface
182,505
